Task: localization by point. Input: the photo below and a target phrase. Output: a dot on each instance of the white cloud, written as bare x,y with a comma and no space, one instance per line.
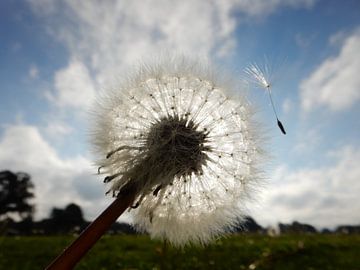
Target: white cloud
57,181
335,83
287,105
265,7
338,38
109,35
57,129
74,86
33,72
325,196
308,141
106,37
304,41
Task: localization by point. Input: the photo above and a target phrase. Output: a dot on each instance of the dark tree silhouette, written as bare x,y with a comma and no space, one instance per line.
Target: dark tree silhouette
248,225
66,220
297,227
15,191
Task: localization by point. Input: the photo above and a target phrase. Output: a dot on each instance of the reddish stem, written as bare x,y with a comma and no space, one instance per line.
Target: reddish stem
73,254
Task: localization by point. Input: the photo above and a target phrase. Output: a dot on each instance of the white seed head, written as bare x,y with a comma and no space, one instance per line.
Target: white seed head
259,76
189,147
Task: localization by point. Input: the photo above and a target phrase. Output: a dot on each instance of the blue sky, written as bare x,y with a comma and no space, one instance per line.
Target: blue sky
56,55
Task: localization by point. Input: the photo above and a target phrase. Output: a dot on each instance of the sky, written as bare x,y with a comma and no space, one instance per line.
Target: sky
55,56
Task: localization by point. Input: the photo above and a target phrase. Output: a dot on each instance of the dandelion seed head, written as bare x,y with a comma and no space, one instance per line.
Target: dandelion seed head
191,149
258,76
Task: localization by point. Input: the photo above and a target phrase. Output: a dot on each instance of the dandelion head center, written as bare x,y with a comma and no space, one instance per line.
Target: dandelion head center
177,145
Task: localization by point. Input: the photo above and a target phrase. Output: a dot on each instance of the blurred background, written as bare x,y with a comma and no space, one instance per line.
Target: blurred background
55,56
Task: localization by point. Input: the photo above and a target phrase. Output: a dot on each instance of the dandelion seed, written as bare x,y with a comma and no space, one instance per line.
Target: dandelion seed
189,150
258,76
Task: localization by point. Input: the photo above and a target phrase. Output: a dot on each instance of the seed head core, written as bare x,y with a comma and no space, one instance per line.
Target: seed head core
175,142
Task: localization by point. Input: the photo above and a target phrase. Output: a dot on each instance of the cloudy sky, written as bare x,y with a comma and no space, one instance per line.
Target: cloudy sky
56,55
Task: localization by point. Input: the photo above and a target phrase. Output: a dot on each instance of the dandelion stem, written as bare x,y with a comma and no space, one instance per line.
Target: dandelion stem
73,254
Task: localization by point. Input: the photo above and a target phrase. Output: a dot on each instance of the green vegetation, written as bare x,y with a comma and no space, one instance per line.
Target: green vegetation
234,252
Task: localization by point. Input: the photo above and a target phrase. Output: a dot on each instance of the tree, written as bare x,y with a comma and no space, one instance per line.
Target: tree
15,191
66,220
248,225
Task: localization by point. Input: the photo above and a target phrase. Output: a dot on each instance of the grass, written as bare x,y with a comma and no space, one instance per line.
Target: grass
234,252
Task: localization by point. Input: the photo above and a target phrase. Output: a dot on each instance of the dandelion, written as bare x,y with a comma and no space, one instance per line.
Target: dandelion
259,77
187,147
179,150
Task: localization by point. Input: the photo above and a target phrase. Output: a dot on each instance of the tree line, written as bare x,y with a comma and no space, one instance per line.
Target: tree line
17,210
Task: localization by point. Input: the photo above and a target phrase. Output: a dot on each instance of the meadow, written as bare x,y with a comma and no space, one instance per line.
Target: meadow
232,252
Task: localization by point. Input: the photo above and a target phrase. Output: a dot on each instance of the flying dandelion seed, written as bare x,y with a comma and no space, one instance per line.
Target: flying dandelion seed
187,147
258,76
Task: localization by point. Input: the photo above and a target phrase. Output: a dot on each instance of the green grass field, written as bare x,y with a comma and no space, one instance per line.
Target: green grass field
234,252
